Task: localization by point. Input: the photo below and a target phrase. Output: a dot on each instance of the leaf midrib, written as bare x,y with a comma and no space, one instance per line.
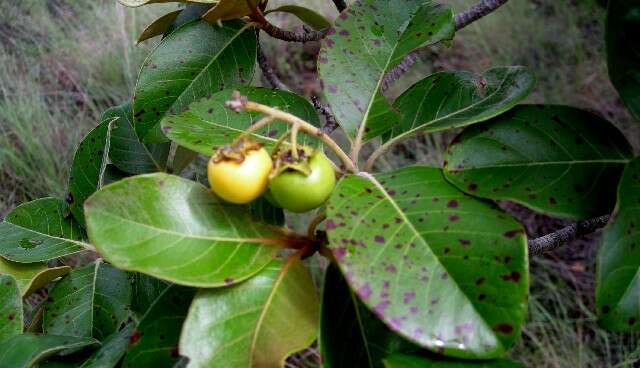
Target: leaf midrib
267,306
430,123
544,163
190,236
408,223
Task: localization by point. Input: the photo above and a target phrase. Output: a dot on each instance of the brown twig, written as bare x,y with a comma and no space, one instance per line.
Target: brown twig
461,20
268,72
330,120
558,238
476,12
305,35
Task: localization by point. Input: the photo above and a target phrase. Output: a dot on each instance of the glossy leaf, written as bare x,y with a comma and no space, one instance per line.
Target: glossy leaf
154,343
25,351
39,231
368,39
257,323
623,53
88,167
192,62
409,361
557,160
618,265
309,16
159,26
11,317
448,100
112,349
442,269
177,230
91,301
31,276
350,335
208,124
126,151
136,3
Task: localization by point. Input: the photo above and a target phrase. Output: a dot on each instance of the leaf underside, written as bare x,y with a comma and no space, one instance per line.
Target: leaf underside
257,323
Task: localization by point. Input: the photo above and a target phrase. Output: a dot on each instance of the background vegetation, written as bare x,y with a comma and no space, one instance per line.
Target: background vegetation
62,62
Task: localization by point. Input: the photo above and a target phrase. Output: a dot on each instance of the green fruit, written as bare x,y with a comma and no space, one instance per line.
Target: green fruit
297,192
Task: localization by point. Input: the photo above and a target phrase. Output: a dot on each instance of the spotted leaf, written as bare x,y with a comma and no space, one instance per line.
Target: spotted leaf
92,301
442,269
557,160
448,100
194,61
618,263
154,342
367,40
11,317
208,124
126,152
40,230
350,335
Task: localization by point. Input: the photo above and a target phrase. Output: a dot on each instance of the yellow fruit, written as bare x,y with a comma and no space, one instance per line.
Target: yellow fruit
240,182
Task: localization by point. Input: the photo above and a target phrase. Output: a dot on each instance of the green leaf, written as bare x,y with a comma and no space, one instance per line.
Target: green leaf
177,230
312,18
350,335
448,100
11,317
112,349
557,160
39,231
623,52
442,269
92,301
208,124
146,290
257,323
126,151
159,26
25,351
409,361
87,171
155,341
618,263
31,276
192,62
369,39
136,3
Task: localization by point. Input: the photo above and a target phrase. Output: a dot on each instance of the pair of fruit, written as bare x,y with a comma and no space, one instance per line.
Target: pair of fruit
243,172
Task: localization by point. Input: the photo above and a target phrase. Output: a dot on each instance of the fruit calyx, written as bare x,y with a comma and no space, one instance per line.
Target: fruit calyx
284,160
236,151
